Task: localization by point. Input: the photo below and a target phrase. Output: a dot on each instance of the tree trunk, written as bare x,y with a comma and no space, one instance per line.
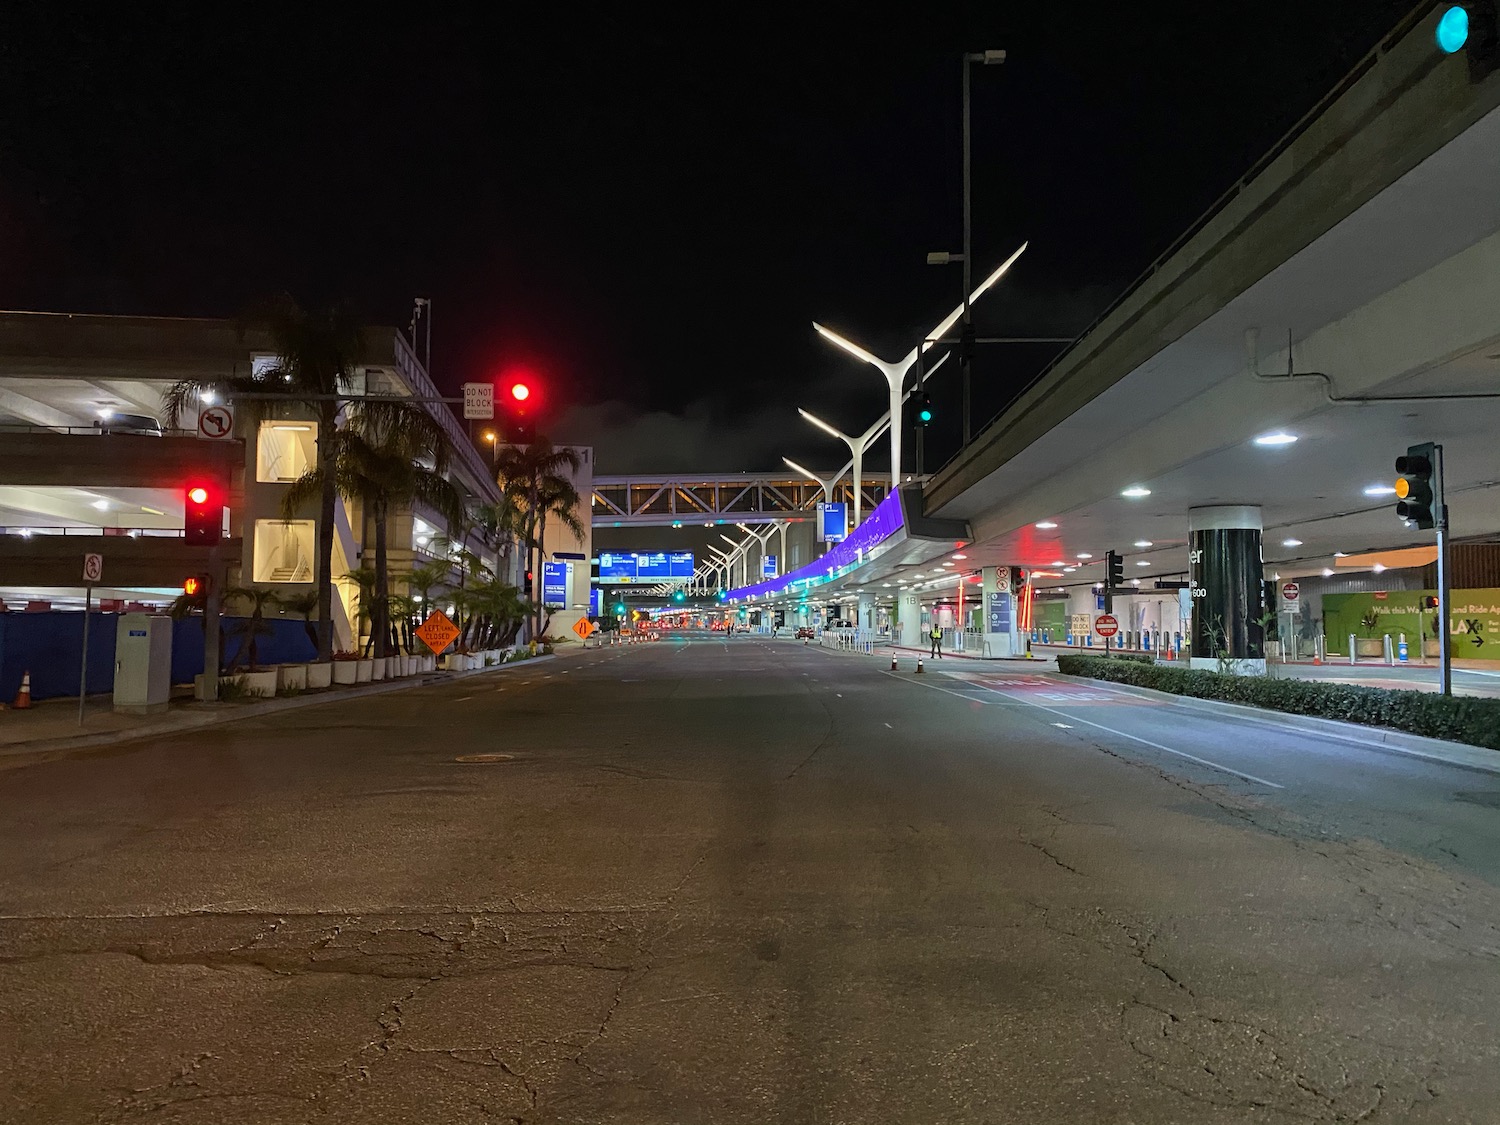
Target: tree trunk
326,505
541,557
380,611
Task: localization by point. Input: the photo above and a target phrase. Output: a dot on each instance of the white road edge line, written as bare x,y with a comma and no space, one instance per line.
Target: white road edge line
1143,741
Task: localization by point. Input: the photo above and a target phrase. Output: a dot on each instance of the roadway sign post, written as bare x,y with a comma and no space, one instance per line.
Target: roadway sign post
437,632
93,571
479,402
216,423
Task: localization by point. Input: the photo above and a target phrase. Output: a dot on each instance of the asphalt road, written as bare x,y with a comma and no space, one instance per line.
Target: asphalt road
753,882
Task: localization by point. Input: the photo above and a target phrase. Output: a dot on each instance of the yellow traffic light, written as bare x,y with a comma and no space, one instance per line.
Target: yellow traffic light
1403,487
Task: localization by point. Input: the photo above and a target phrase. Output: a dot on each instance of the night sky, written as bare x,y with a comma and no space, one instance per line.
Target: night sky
645,205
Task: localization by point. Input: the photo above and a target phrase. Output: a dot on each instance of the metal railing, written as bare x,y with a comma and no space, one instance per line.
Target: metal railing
31,530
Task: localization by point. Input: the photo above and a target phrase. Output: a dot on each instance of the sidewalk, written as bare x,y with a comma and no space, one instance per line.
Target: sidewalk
53,725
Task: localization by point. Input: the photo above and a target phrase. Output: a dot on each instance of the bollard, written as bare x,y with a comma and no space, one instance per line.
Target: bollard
1401,648
1386,649
919,664
1351,648
893,663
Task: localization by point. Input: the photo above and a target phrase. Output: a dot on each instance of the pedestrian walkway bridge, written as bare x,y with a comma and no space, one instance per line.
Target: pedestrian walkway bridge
633,500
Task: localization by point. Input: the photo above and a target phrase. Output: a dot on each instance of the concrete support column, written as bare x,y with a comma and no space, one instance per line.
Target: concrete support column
1225,572
911,620
867,612
998,621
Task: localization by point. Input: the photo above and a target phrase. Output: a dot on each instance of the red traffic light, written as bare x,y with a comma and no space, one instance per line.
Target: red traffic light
520,392
203,513
195,585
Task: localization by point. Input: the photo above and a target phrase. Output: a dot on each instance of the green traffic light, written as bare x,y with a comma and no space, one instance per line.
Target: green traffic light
925,415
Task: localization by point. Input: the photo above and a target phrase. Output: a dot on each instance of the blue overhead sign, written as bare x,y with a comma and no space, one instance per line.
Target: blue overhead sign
555,584
596,602
768,566
622,567
833,523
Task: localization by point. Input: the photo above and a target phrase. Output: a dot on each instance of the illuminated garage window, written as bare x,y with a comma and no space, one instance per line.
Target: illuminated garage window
285,450
284,550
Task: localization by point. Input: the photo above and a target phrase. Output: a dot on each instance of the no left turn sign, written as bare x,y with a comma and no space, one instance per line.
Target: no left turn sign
216,423
93,568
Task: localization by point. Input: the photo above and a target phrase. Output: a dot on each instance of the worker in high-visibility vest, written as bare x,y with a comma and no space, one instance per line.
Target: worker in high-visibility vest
937,639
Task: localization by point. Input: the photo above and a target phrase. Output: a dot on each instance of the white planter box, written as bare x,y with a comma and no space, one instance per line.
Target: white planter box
262,684
429,663
291,677
363,671
345,671
319,676
377,667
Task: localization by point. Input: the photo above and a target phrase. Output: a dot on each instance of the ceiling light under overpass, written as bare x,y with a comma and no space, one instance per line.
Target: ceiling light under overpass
1380,490
1136,492
1046,525
1275,439
1291,542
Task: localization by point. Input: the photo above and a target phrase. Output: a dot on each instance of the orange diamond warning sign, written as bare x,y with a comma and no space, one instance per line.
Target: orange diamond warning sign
584,628
437,632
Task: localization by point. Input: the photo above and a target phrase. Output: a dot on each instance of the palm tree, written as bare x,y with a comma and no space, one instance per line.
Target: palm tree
422,580
317,359
537,480
381,459
255,626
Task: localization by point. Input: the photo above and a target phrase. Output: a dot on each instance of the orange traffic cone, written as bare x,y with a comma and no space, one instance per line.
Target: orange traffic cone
23,697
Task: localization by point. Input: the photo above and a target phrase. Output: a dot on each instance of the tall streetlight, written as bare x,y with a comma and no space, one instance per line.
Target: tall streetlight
859,446
966,343
826,483
895,373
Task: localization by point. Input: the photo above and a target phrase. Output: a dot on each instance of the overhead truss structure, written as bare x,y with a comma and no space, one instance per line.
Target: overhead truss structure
636,501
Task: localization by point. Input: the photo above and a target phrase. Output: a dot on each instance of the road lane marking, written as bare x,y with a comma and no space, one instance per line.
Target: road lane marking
461,698
948,691
889,727
1148,742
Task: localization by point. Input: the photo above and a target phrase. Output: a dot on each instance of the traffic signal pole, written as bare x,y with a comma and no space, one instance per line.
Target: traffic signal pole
1445,647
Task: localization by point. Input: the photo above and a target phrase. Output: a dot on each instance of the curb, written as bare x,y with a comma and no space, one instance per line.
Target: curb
1439,750
199,720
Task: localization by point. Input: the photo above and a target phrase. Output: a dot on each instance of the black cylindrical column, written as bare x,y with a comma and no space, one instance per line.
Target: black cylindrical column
1225,578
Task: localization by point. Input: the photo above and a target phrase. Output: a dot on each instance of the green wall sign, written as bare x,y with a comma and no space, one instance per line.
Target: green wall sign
1474,619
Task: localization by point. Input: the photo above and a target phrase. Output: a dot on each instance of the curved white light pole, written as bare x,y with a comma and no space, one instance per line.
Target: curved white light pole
826,483
859,446
895,373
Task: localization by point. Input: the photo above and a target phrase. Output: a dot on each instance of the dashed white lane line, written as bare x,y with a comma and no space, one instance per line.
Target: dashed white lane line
1143,741
461,698
889,727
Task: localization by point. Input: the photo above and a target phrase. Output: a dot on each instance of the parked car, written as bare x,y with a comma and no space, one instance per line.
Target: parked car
805,633
143,425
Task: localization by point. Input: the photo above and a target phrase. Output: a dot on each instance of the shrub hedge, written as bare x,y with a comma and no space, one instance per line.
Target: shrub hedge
1457,718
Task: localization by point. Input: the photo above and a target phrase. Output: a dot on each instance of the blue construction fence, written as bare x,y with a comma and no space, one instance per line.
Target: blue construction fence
50,645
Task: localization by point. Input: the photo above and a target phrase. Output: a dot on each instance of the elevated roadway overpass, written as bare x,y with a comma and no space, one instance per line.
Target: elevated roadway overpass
1340,302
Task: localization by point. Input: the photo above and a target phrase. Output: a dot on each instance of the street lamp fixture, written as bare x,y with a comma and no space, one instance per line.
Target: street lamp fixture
895,373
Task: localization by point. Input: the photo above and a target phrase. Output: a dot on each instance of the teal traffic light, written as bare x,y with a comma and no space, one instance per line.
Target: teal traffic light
1474,29
619,607
679,596
1453,30
924,409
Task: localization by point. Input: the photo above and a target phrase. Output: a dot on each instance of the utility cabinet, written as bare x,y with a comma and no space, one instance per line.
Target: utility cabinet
143,663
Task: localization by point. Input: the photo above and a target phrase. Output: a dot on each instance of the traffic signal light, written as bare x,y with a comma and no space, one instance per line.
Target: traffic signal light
924,409
619,607
530,580
520,402
203,512
1474,29
1114,570
196,585
679,596
1429,601
1419,489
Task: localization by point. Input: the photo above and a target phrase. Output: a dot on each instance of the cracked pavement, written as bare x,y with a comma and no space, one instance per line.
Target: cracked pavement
733,882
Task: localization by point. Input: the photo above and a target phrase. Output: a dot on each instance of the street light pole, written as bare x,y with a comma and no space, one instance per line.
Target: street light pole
895,373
